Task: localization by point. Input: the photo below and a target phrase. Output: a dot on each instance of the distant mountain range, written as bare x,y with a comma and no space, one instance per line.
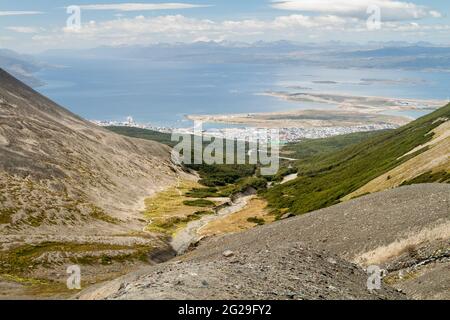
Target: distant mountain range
388,55
332,54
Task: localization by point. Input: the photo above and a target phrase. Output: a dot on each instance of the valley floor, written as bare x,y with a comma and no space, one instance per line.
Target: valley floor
320,255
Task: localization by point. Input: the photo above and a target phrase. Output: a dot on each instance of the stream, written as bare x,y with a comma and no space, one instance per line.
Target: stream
183,239
288,178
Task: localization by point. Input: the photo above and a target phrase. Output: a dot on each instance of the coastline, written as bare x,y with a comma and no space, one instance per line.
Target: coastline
349,101
307,119
348,111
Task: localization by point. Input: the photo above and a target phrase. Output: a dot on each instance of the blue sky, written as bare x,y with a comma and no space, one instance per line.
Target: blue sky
37,25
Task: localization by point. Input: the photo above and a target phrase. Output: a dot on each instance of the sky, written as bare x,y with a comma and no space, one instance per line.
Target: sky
31,26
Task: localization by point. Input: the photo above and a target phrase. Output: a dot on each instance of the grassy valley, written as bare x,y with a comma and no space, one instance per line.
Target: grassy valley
70,192
328,169
224,180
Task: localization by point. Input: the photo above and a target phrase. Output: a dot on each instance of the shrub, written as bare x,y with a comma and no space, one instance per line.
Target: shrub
202,193
199,203
256,220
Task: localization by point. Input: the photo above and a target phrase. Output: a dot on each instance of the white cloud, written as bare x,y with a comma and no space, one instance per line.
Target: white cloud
181,28
19,13
20,29
435,14
390,9
141,24
141,6
142,30
414,26
301,21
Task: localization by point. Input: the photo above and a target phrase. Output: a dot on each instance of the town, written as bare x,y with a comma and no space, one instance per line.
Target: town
251,134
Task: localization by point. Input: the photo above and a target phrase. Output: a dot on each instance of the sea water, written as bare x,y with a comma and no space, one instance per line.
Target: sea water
162,93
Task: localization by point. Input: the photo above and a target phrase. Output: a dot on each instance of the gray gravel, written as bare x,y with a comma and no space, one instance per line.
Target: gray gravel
298,258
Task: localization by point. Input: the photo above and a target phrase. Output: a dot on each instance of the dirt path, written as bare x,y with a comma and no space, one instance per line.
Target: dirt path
289,178
189,235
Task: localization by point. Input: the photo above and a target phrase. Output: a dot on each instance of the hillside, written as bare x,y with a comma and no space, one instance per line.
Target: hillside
164,138
432,164
70,191
73,193
415,153
405,231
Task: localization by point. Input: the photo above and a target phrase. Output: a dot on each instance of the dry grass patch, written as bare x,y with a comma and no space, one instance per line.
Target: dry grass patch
253,214
170,210
408,244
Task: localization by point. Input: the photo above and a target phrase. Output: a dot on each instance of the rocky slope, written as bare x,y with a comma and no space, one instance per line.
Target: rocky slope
266,270
318,255
70,187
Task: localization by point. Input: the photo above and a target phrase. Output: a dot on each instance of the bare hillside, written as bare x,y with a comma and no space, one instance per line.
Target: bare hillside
66,182
261,269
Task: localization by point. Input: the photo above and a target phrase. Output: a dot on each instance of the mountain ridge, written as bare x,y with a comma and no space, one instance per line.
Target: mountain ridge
72,191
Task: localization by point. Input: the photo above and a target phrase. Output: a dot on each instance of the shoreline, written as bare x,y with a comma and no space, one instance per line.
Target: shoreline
321,98
349,111
307,118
